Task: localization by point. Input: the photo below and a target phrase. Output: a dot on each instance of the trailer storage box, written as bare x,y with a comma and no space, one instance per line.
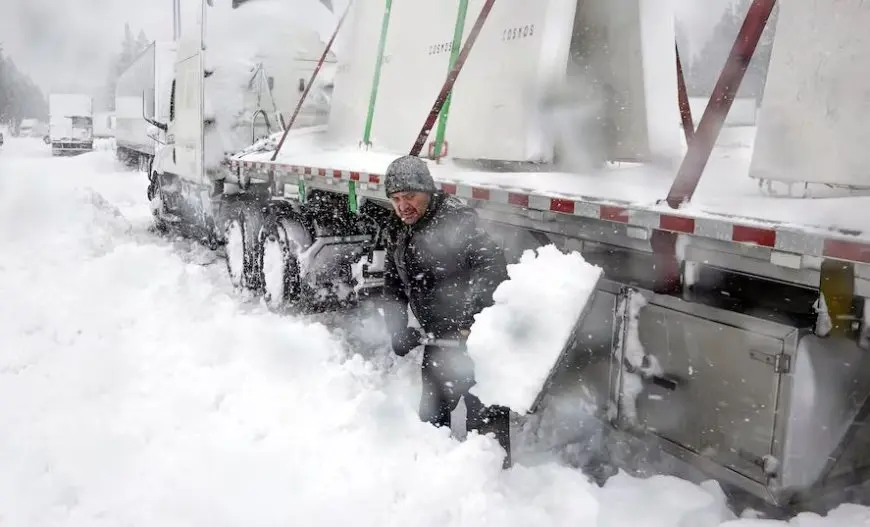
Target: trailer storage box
760,404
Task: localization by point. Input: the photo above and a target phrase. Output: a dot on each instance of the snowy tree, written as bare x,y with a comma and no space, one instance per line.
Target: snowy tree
703,72
131,48
20,97
4,95
142,41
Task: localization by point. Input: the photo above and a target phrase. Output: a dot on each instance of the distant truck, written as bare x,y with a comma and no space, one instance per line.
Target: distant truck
143,93
31,128
71,123
104,125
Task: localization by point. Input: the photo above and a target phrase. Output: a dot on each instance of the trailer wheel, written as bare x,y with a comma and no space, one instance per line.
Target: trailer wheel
281,240
156,203
238,261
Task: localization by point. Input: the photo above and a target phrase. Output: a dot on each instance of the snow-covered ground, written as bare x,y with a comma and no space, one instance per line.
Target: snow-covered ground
136,389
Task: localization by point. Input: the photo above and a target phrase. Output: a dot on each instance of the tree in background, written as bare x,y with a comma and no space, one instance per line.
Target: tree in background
131,48
703,71
20,97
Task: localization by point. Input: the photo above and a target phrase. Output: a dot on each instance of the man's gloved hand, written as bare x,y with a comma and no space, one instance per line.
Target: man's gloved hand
405,340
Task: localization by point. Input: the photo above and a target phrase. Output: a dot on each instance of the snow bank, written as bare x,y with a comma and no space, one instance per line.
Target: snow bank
516,342
662,499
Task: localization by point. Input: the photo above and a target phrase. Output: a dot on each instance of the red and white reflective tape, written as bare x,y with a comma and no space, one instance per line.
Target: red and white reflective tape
724,228
343,175
848,250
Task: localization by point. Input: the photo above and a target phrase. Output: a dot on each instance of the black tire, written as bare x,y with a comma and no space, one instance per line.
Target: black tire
155,201
143,164
281,240
237,251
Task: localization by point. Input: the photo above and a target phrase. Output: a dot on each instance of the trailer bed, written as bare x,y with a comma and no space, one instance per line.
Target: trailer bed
728,205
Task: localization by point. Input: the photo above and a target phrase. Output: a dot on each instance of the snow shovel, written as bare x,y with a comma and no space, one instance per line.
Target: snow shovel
555,358
429,340
516,367
563,353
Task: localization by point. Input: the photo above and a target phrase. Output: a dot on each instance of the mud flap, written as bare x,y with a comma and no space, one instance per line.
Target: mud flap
567,346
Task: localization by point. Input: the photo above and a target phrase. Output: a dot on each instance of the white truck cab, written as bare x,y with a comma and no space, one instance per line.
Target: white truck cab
71,123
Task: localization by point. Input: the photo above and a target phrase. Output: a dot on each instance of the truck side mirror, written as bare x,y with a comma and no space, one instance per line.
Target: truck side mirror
158,124
271,82
150,121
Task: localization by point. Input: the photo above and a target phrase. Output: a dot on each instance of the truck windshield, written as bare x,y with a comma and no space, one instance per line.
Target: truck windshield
82,122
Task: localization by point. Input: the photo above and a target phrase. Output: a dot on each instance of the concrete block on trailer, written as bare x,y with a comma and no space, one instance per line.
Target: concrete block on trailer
623,58
524,52
812,125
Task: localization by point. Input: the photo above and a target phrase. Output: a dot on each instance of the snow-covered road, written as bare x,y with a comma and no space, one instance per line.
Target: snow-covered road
136,390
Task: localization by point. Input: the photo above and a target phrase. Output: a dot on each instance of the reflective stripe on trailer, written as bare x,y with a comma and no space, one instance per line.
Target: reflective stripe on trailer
777,237
284,170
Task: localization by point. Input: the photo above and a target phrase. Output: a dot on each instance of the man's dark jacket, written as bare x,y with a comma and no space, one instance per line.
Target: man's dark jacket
445,266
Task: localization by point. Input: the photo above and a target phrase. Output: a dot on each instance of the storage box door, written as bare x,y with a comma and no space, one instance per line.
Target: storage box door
716,394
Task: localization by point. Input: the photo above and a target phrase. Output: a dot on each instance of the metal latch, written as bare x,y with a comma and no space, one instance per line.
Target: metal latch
668,382
769,464
781,363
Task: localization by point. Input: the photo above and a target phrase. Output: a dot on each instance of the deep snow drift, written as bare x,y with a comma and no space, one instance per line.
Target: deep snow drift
137,390
516,342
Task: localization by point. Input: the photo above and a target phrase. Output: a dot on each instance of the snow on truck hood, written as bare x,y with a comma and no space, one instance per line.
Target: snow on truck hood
137,390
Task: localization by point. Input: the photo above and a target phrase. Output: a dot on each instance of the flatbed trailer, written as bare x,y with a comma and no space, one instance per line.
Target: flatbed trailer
753,306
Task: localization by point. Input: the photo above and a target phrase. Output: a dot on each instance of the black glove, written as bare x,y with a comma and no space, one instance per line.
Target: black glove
405,340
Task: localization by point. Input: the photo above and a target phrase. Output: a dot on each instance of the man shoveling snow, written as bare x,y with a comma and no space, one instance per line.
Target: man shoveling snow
446,267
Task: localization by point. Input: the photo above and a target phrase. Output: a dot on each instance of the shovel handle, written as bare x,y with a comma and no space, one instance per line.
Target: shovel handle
441,343
668,383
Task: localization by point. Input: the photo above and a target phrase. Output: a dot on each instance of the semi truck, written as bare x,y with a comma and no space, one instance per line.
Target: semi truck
142,93
567,122
71,123
31,128
104,125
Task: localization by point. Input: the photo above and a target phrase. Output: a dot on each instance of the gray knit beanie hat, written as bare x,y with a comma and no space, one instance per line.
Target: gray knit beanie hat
408,174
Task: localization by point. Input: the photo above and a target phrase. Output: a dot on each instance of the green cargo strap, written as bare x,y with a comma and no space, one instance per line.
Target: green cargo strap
373,97
458,29
352,204
300,188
